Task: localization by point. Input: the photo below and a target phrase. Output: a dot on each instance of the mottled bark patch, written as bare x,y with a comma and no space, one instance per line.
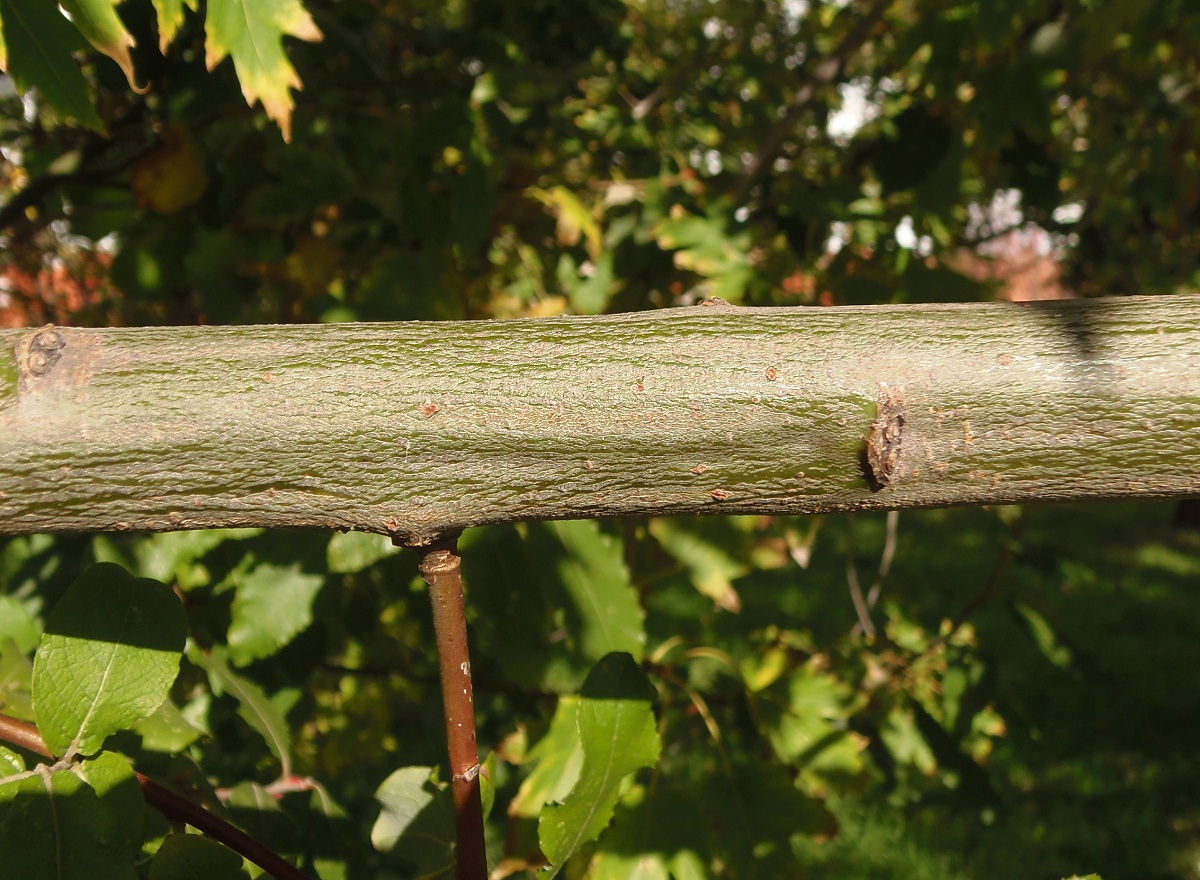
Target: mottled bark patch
884,443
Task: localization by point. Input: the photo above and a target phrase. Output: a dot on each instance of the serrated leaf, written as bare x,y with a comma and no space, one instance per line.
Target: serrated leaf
273,605
99,23
592,572
193,857
39,42
416,821
351,552
116,785
252,32
107,659
656,834
557,758
254,706
170,19
619,735
53,827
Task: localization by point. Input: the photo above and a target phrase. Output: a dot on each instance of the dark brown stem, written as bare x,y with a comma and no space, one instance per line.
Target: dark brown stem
174,807
441,566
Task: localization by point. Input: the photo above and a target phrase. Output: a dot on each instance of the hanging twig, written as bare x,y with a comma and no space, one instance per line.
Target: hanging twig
174,807
856,594
441,566
863,605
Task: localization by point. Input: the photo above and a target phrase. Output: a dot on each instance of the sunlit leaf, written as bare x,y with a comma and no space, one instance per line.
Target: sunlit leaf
108,657
416,820
170,19
98,21
619,735
252,33
350,552
556,759
10,762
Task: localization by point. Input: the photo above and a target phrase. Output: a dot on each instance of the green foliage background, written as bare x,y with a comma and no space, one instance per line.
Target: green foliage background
1027,701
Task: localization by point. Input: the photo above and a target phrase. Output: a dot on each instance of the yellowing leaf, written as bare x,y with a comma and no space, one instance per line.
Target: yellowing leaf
98,21
252,32
574,220
170,18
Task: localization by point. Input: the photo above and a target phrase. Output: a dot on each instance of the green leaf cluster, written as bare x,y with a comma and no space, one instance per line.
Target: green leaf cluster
1027,696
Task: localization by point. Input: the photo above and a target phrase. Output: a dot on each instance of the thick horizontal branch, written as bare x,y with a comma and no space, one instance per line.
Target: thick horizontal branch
419,429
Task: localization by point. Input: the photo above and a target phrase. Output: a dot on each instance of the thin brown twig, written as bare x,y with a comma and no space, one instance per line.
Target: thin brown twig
174,807
865,624
441,566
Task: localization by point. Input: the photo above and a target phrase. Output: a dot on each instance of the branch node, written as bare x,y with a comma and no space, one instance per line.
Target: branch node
885,450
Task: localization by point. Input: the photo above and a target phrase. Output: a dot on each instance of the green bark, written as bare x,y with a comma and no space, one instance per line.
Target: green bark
419,429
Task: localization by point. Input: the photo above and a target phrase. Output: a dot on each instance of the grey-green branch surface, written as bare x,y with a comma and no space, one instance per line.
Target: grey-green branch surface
420,429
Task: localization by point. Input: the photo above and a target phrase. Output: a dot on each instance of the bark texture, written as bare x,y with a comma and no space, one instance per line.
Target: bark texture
418,430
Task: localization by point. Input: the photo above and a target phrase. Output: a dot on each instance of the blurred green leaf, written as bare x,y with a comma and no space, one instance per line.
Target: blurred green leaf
54,827
266,715
18,625
709,552
166,730
550,605
272,605
195,857
351,552
11,763
170,19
